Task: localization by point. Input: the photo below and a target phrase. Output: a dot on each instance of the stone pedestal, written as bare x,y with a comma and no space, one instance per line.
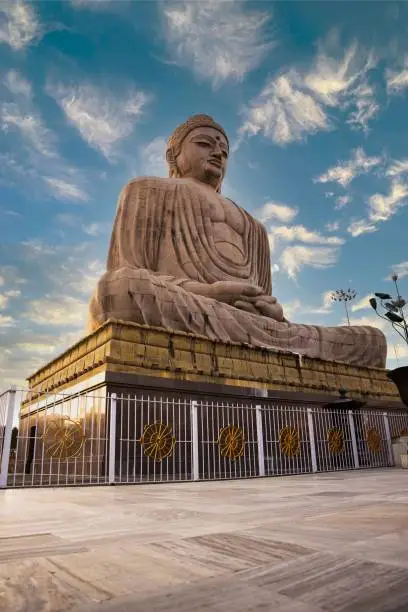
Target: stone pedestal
69,422
129,354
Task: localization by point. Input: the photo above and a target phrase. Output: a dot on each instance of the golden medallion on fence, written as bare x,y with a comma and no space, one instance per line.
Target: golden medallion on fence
63,438
289,441
373,440
158,441
231,441
335,440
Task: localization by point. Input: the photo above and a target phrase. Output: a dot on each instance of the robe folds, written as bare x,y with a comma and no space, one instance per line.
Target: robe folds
163,237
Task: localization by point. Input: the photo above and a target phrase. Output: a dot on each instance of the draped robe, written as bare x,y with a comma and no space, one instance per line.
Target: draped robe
163,237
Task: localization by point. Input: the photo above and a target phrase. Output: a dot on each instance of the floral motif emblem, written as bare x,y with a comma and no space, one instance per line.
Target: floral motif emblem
63,438
335,440
289,441
373,440
158,441
231,441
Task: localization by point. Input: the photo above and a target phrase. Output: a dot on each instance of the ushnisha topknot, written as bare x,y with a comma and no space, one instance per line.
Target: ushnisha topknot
179,134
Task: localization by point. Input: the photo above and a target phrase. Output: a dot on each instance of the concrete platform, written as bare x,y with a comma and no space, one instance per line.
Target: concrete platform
333,542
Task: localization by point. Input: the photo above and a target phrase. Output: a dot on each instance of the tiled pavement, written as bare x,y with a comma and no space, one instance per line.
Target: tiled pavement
333,542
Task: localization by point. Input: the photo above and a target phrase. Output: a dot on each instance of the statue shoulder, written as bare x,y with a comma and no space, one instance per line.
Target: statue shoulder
149,182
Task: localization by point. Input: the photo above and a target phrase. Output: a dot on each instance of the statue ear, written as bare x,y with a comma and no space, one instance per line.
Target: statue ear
171,161
170,157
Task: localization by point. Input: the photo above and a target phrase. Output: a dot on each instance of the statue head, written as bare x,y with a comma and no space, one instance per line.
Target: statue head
198,149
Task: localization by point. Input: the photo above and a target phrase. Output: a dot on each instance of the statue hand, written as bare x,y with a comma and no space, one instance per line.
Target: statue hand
268,306
231,292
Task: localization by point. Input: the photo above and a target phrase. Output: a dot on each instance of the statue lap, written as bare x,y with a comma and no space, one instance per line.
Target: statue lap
136,295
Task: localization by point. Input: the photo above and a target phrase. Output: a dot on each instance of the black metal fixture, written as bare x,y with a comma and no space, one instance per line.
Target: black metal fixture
393,311
345,296
344,402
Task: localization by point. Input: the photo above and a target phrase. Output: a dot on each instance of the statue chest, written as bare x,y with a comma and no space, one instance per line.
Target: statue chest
228,225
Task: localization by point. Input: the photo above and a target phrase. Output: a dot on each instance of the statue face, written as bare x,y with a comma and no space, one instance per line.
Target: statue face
204,156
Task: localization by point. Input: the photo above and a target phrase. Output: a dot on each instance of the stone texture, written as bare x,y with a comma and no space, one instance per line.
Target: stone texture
330,542
185,258
137,349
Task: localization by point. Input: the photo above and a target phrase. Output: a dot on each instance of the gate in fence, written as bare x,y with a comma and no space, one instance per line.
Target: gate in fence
100,438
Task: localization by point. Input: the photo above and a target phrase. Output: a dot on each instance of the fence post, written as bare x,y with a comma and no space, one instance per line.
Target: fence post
388,437
112,438
194,439
312,439
353,439
259,437
5,455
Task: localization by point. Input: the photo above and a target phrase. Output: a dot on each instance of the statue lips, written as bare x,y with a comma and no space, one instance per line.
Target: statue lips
215,162
216,166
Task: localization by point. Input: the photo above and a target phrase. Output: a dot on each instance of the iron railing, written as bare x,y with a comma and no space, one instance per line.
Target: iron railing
100,438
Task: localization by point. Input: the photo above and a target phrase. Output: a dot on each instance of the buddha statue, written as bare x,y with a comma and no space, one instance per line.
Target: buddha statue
183,257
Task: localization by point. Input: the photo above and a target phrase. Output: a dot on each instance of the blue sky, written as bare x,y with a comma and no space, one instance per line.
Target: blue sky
312,94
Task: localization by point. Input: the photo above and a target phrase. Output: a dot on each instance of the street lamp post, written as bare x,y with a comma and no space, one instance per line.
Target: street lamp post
345,296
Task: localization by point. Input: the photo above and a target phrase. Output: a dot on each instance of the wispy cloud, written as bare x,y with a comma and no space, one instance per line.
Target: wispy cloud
290,308
64,311
219,41
333,226
7,321
294,258
346,171
74,277
397,80
152,158
6,296
276,211
19,24
20,115
398,168
30,126
342,201
382,207
63,190
68,219
338,72
326,305
102,119
284,113
366,108
296,103
96,228
300,233
401,269
361,226
93,4
37,248
32,160
17,84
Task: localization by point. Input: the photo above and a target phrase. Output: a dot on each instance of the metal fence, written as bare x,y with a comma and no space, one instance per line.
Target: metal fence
100,438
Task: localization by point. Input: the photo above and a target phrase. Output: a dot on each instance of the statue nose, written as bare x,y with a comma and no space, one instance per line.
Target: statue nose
217,151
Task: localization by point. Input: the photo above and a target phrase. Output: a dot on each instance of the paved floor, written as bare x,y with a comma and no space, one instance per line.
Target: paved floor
333,542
